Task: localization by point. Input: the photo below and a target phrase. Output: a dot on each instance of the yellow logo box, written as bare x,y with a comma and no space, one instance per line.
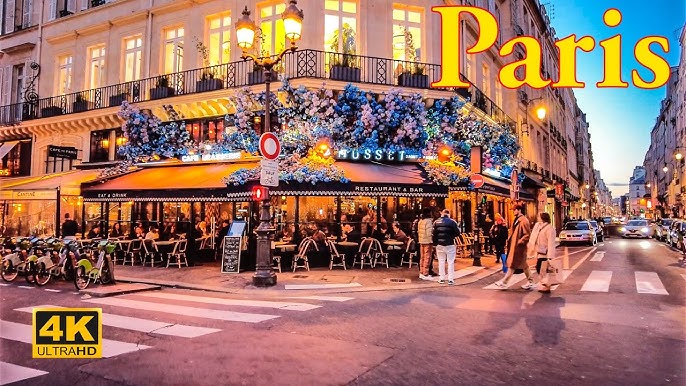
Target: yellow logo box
67,333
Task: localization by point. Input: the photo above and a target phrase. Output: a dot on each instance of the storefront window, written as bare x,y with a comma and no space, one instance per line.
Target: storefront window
94,217
206,130
18,161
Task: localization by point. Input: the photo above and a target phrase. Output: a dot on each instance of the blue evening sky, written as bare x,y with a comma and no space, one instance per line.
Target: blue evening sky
620,119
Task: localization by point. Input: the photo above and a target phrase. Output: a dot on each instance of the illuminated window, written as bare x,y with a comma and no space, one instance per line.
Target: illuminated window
271,24
64,72
470,66
499,94
96,69
133,56
340,26
173,50
407,33
486,80
219,38
100,146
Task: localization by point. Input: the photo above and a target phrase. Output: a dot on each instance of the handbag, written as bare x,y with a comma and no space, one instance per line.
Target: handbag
553,271
542,248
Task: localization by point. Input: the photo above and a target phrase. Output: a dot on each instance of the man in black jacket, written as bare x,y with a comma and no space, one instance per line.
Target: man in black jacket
69,227
444,233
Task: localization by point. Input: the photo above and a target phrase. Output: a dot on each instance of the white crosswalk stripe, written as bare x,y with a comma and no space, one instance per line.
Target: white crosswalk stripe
22,333
10,373
325,298
649,283
598,256
143,325
291,306
513,280
598,281
683,275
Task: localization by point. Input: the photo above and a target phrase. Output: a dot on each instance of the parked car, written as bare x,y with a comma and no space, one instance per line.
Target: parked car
598,230
578,232
662,228
636,228
677,233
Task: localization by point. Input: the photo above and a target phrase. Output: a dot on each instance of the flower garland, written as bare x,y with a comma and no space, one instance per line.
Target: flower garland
446,173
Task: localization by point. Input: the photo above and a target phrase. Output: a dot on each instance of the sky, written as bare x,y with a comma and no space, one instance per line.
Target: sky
620,119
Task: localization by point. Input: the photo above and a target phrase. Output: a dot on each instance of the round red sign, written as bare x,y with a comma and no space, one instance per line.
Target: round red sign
270,147
477,180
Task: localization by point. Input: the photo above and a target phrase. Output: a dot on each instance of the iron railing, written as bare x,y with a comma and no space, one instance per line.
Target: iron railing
298,64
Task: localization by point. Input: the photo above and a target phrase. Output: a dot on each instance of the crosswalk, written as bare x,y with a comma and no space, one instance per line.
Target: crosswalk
167,310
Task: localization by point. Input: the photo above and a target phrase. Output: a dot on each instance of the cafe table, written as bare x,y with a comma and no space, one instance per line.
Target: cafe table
394,248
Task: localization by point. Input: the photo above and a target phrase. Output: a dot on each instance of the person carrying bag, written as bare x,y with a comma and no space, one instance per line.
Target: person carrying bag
542,246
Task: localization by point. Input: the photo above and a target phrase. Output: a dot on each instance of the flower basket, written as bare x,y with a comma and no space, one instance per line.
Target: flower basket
161,92
116,100
407,79
256,77
346,74
208,84
51,111
80,106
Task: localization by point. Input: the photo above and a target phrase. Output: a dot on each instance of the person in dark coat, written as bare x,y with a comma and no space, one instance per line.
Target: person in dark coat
488,224
444,232
499,233
69,227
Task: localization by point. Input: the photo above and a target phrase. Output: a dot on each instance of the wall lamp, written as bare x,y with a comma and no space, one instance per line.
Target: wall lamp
541,112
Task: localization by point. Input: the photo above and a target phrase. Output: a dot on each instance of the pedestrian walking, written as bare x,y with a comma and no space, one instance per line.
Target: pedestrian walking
425,228
488,224
517,247
498,235
444,233
542,245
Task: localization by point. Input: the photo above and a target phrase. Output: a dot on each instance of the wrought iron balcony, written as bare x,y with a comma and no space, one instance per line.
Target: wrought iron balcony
315,64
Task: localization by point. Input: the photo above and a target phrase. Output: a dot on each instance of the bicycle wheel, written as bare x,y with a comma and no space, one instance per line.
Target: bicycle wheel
30,272
82,278
105,273
42,274
9,271
68,271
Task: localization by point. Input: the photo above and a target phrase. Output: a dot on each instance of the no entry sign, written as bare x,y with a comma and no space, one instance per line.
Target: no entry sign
270,147
477,180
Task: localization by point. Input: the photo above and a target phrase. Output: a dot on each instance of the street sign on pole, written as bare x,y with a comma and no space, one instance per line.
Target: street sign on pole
477,180
270,147
269,176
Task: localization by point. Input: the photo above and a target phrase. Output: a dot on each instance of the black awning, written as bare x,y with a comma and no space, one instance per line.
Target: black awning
493,186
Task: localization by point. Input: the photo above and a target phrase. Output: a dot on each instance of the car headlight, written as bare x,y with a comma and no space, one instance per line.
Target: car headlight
622,229
644,230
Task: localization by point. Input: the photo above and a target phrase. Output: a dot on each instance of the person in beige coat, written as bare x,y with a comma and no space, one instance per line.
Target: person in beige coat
542,245
517,248
425,238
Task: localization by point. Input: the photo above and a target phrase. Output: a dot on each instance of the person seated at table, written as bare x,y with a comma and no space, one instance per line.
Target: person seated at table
380,232
354,235
94,233
286,233
345,229
319,237
398,233
138,233
153,234
170,232
223,232
116,231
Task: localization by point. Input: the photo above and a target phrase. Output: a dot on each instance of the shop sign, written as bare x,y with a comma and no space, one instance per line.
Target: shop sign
211,157
113,195
4,172
390,189
559,192
374,155
29,195
62,152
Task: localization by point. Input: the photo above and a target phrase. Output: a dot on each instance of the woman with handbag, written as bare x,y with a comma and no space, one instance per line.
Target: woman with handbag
542,245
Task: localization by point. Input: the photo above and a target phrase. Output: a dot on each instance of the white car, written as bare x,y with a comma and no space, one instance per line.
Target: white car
578,232
636,228
662,228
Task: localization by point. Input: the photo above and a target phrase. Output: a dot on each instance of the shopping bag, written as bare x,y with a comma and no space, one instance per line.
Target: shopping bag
503,259
553,271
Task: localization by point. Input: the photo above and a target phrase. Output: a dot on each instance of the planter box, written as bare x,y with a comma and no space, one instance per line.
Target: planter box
161,92
80,106
50,111
347,74
411,80
256,77
209,85
464,92
116,100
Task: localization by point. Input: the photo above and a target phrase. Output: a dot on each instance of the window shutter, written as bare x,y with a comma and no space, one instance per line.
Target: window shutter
7,85
9,16
3,90
28,13
52,10
71,6
84,4
491,6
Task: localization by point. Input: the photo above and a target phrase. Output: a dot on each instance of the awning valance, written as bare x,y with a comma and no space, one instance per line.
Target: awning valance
171,183
45,187
493,186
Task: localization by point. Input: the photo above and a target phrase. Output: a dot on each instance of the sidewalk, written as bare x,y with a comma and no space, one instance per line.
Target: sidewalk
208,277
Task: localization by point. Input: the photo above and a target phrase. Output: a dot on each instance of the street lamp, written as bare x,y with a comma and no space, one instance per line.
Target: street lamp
245,34
665,169
541,112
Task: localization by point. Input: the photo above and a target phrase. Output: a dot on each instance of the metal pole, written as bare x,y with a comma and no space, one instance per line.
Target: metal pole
477,232
264,275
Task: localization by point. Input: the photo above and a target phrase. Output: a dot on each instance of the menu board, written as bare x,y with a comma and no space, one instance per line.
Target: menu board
231,254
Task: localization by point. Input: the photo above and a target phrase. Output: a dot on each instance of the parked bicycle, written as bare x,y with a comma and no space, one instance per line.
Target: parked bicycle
61,262
19,262
102,271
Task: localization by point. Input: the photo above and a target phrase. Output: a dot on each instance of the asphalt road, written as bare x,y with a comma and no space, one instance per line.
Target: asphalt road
619,318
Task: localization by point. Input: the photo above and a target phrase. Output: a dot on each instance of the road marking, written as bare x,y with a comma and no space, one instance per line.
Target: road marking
233,302
143,325
22,333
610,242
13,373
578,263
598,256
25,287
565,275
513,280
467,271
320,286
52,290
4,285
325,298
683,275
598,281
649,283
183,310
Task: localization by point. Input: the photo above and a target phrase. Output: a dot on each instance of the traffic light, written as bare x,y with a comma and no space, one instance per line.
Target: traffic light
260,193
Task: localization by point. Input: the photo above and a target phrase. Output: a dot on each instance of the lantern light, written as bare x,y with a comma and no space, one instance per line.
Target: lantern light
245,31
292,22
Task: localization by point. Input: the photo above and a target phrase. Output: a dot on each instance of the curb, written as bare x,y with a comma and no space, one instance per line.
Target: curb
106,291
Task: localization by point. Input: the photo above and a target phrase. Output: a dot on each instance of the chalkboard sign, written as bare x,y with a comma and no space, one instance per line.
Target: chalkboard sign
231,254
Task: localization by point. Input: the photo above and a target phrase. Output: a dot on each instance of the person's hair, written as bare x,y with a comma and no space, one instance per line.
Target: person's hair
426,213
66,215
519,207
445,212
545,217
396,224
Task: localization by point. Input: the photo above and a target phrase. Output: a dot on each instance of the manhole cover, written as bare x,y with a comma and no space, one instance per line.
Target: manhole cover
337,279
300,276
397,280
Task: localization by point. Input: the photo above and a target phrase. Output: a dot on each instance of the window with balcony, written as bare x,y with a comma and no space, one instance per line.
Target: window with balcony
407,33
18,83
173,50
470,64
271,25
499,94
340,26
65,66
17,162
96,68
133,58
219,38
100,145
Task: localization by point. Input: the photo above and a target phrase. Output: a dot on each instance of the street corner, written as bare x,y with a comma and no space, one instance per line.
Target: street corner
118,289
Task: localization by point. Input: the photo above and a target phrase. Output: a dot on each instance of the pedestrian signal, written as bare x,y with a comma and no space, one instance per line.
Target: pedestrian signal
260,193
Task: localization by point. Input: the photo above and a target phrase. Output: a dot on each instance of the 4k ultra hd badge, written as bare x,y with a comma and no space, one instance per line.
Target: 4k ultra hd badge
67,333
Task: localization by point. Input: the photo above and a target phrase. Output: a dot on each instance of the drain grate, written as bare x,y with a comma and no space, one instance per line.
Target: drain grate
397,280
300,276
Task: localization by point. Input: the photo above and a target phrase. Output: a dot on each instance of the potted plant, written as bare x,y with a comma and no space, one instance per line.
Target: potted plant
257,75
95,3
51,111
413,75
162,89
80,103
345,66
208,80
121,95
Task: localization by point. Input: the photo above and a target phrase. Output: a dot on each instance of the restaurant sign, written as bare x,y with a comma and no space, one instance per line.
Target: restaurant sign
234,155
62,152
17,195
374,155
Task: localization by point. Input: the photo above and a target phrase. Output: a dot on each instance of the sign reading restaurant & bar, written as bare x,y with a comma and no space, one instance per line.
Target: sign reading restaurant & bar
388,189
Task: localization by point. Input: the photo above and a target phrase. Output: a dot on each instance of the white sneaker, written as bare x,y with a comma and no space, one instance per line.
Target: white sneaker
423,277
529,286
500,284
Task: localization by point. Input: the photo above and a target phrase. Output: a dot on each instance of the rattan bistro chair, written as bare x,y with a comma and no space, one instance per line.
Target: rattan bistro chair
410,254
365,253
178,254
335,256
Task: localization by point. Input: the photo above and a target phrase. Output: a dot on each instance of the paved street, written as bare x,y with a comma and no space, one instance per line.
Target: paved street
619,318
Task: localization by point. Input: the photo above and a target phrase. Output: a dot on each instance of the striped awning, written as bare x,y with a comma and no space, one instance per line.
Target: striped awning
6,147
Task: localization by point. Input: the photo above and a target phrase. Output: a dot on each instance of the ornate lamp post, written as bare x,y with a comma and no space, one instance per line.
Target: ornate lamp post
245,34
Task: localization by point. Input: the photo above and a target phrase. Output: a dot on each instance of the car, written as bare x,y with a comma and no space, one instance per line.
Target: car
598,230
677,232
578,232
662,228
636,228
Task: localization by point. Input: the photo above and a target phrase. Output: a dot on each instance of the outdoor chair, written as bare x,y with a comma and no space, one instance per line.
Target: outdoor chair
380,257
304,248
365,253
335,256
410,254
178,253
134,252
151,252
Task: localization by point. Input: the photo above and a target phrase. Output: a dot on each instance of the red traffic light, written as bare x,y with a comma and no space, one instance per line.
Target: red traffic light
260,193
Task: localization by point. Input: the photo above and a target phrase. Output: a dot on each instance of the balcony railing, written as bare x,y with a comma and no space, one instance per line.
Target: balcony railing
298,64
